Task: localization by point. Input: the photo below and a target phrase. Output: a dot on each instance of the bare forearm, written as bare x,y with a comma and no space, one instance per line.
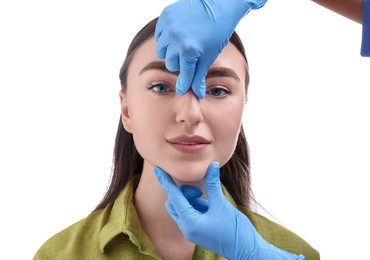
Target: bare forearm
351,9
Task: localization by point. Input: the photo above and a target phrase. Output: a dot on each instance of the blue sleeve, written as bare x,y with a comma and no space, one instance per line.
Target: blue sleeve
365,47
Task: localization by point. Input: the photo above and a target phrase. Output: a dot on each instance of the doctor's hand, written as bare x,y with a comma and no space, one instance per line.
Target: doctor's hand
191,33
215,224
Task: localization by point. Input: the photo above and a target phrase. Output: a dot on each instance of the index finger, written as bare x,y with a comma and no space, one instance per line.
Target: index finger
174,194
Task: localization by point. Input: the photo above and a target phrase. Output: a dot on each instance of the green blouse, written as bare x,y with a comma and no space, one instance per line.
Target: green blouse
115,232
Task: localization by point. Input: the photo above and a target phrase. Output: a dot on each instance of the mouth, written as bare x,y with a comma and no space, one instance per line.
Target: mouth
189,144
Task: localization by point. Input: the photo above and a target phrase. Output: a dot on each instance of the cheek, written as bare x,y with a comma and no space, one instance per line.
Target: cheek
230,111
148,127
144,112
227,144
228,131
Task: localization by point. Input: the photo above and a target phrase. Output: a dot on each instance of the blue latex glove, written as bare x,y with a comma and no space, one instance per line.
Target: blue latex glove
191,33
216,225
193,194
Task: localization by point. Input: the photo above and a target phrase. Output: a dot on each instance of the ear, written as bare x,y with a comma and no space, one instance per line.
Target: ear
125,114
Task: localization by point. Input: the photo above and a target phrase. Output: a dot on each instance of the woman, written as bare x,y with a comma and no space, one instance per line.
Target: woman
184,136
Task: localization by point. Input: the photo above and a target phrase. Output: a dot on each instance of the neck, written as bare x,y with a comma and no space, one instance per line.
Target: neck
164,233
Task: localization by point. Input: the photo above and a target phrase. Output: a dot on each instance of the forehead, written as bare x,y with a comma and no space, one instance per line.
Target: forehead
230,57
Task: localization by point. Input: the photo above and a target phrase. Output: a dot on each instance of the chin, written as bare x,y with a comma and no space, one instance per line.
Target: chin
188,179
188,173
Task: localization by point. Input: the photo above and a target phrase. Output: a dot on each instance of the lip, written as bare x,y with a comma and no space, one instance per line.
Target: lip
189,144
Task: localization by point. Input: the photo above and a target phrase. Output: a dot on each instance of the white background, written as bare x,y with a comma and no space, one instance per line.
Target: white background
306,119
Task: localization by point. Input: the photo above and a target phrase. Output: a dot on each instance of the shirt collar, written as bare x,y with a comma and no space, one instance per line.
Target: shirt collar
123,218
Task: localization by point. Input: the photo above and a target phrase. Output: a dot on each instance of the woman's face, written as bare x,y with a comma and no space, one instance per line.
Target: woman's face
181,133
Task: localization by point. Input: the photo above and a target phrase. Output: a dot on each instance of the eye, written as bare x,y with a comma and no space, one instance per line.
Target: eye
218,91
160,88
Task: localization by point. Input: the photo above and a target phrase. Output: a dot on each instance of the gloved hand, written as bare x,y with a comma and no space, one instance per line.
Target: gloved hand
191,33
216,225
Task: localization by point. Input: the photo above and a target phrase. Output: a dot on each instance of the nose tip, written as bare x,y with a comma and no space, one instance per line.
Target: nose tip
189,109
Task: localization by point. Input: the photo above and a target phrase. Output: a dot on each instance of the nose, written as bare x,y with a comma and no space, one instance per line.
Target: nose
188,109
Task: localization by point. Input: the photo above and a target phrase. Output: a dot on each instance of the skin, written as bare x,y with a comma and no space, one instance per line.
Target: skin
154,118
352,9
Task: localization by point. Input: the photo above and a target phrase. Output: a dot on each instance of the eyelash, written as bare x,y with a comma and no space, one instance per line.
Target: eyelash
222,88
154,87
157,84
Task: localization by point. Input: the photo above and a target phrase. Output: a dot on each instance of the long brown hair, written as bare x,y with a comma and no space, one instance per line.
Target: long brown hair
235,175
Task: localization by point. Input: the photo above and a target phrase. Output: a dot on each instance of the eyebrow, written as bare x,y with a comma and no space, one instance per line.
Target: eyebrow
157,65
212,72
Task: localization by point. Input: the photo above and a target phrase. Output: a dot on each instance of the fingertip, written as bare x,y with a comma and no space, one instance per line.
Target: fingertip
187,69
161,176
199,91
213,172
212,183
199,87
158,171
180,87
215,164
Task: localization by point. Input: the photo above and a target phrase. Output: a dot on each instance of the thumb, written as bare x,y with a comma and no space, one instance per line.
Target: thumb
186,75
212,183
199,83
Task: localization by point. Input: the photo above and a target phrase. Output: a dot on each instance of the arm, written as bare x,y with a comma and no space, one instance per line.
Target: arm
352,9
356,10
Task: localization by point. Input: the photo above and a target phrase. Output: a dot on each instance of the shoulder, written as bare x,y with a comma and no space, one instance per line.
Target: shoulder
280,236
89,237
81,236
